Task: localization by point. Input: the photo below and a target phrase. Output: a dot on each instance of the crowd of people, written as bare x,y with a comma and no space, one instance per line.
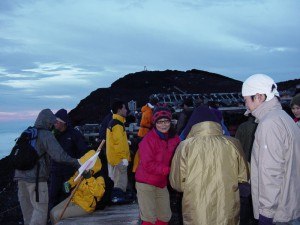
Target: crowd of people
252,178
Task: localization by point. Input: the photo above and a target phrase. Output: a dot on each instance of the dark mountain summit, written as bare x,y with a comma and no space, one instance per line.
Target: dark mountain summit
139,86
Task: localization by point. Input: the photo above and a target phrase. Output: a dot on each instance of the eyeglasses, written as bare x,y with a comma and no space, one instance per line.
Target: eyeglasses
160,122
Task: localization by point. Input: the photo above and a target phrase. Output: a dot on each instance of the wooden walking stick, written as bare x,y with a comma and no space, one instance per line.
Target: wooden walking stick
77,186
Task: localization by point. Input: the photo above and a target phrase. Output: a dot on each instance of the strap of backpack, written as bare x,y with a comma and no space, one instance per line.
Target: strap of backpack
42,155
114,122
37,198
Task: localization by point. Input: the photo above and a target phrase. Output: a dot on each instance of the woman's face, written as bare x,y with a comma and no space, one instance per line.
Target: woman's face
296,111
163,125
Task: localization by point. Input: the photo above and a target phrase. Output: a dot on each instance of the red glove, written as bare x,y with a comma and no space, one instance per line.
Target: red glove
166,170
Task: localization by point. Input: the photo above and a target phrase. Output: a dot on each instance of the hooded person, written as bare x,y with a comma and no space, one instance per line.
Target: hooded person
200,114
89,192
295,107
208,167
156,151
275,168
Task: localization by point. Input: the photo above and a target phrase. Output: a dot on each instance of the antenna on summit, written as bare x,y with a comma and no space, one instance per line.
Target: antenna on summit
145,68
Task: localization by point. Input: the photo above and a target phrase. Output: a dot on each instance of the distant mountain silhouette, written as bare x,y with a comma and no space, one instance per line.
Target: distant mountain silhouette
140,85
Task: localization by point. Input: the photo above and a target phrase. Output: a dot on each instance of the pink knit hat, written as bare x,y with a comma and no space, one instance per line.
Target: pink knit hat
161,112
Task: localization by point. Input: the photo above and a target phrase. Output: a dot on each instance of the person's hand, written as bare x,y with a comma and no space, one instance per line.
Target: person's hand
124,162
66,187
262,220
87,174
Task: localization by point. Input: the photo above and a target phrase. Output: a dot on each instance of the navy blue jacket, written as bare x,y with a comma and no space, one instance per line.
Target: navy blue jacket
73,143
104,125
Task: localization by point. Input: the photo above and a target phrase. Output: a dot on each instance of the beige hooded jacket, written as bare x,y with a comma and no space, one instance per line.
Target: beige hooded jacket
275,164
207,168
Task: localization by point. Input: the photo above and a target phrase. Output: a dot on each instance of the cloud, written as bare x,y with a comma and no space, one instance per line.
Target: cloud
45,75
15,116
54,53
56,96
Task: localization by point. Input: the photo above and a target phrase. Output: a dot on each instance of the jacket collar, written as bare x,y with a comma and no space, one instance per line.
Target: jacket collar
118,117
206,128
265,108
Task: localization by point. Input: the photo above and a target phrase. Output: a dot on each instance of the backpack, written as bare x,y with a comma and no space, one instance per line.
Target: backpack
24,155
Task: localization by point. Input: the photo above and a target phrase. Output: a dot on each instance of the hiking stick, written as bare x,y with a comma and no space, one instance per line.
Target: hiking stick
100,146
77,186
70,198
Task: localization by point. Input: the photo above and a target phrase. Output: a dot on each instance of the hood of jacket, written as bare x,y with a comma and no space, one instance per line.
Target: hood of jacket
206,128
97,166
145,108
45,119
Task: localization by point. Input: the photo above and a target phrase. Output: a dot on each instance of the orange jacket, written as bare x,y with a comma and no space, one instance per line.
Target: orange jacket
146,121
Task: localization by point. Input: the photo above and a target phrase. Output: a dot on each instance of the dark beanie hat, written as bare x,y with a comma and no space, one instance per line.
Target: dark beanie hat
62,114
161,112
295,100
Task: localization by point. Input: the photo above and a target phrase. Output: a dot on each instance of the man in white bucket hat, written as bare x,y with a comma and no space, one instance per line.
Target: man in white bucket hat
275,159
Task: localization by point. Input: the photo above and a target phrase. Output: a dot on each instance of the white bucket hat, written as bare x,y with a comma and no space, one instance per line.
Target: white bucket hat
260,84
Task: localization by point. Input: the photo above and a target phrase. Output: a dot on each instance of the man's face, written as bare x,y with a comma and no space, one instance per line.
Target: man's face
123,111
60,126
252,104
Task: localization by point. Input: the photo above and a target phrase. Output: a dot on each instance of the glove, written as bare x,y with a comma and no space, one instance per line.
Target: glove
262,220
124,162
66,187
166,170
87,174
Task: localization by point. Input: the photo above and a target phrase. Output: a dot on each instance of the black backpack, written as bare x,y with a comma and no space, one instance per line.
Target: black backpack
24,155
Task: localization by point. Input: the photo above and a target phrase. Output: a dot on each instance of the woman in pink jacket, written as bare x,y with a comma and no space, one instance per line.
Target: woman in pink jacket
156,152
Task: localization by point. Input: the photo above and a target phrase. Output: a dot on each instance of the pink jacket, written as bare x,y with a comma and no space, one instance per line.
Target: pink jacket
155,159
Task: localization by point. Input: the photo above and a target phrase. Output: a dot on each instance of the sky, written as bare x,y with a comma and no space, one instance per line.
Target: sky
53,53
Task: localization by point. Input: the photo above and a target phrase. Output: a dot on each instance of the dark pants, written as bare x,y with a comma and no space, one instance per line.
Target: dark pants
56,181
246,211
109,184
